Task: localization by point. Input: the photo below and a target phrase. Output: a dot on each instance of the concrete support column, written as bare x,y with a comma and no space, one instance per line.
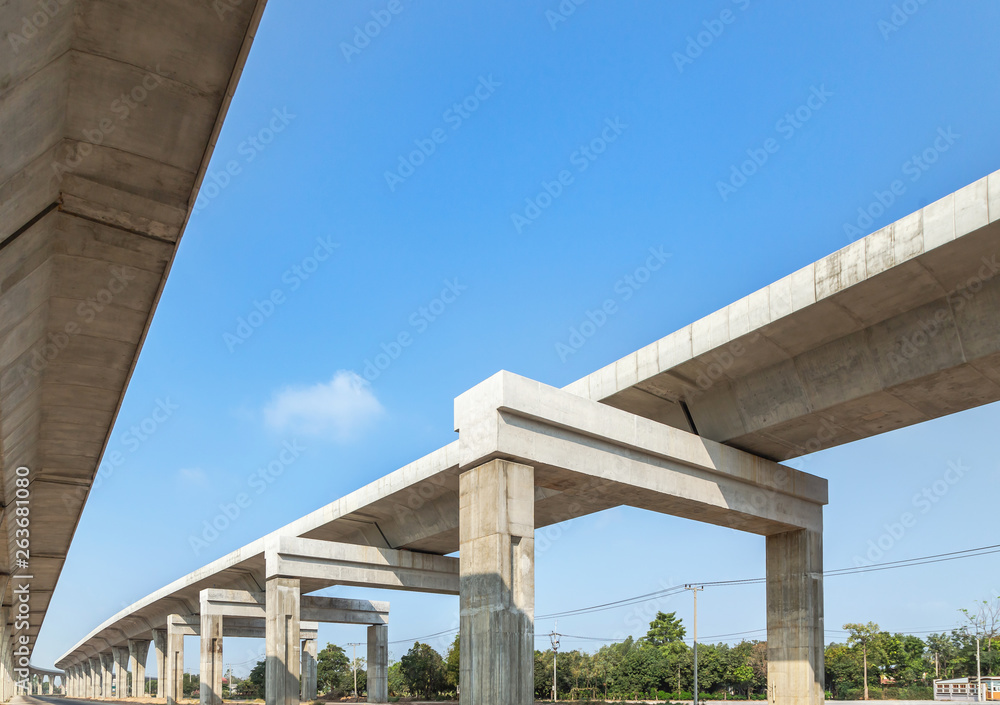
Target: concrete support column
91,668
174,670
497,601
160,645
107,664
138,650
211,660
308,662
795,618
378,663
121,670
282,637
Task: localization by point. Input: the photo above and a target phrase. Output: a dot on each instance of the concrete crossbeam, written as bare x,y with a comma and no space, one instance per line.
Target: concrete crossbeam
644,463
365,566
244,603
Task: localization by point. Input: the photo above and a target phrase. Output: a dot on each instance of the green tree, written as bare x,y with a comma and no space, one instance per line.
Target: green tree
397,683
943,651
333,670
452,663
863,635
743,675
423,670
665,628
257,679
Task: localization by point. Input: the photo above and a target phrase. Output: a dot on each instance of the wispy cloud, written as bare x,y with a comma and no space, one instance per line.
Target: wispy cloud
193,476
341,408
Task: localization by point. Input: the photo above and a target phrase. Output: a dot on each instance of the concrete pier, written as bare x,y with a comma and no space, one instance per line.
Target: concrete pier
378,663
211,659
282,637
160,645
497,588
120,654
138,650
309,670
174,671
795,618
107,661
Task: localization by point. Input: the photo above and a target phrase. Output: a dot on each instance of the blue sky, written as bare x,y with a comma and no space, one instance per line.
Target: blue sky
612,109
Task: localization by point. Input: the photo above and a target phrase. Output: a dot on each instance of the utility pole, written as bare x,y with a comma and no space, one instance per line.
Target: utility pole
354,665
979,674
554,637
694,590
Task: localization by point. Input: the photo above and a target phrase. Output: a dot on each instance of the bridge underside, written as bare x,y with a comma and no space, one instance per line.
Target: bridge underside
109,112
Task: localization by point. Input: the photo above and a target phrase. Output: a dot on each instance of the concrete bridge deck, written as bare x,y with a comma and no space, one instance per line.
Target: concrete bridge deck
899,327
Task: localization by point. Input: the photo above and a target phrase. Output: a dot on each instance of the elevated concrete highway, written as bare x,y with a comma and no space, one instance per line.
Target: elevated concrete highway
899,327
109,112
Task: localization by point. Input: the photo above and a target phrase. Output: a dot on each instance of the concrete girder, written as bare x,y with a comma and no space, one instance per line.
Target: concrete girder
364,566
645,463
243,603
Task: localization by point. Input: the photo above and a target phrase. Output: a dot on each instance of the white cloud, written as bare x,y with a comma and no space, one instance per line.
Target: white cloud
341,408
194,476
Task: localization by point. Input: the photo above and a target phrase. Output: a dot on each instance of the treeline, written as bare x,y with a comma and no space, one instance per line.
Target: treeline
661,665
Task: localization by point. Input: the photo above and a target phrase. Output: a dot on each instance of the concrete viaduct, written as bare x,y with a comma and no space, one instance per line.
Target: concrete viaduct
897,328
111,111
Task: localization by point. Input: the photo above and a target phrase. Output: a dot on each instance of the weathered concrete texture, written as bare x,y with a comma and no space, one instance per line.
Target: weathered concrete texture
896,328
138,650
307,660
631,460
795,618
497,604
282,647
160,646
110,113
378,663
173,674
120,654
107,662
211,660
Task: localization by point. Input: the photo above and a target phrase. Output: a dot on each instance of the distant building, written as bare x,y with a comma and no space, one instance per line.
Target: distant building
964,689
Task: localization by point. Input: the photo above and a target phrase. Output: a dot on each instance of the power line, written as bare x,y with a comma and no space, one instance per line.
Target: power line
890,565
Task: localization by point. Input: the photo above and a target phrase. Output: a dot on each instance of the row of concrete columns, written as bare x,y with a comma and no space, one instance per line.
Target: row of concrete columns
93,677
291,659
36,684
